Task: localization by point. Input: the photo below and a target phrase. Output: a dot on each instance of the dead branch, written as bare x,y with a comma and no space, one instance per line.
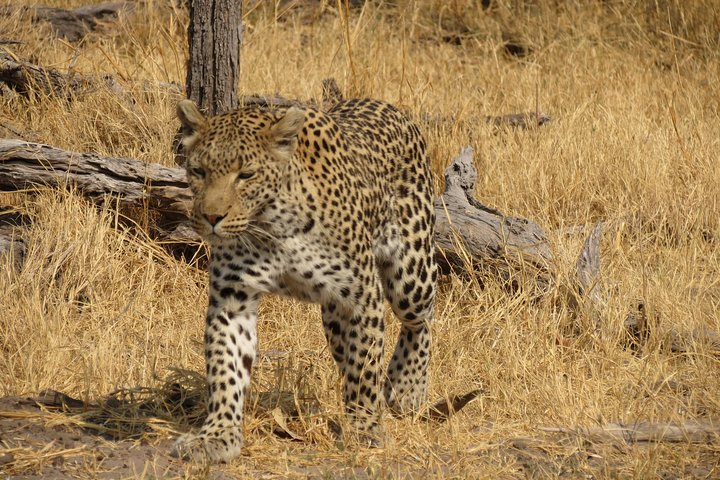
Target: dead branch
519,120
332,95
689,431
447,407
588,264
25,77
12,247
586,284
133,183
12,244
469,234
73,24
522,121
641,325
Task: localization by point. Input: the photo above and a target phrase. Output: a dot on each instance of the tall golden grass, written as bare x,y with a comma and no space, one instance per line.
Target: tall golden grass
634,92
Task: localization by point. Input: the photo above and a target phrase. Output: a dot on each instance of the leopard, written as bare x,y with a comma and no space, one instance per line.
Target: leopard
333,207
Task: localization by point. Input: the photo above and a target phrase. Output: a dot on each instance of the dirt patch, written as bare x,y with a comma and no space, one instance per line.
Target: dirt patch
54,436
38,444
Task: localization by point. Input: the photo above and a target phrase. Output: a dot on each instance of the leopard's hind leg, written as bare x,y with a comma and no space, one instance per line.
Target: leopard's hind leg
408,275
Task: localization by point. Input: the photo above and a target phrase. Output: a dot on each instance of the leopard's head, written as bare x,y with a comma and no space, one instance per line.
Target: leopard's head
236,163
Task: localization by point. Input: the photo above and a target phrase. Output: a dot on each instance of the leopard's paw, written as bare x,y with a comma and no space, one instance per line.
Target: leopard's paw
209,447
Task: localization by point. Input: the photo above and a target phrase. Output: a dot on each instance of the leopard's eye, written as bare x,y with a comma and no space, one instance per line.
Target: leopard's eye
197,172
245,175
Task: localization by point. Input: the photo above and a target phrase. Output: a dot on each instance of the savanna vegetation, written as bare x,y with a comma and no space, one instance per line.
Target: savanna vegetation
633,88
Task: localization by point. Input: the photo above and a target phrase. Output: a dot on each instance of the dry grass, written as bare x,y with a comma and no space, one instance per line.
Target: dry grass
634,89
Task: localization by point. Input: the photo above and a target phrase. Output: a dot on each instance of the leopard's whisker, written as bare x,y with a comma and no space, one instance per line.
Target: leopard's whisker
260,233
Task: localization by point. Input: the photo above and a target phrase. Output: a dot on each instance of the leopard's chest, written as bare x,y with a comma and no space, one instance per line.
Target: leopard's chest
312,272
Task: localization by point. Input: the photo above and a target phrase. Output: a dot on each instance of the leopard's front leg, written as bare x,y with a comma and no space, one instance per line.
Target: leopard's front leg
230,347
363,339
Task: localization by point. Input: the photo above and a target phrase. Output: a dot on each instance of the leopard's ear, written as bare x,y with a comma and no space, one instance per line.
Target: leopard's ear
283,134
192,121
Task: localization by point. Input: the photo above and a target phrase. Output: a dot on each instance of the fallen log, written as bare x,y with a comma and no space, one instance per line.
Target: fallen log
72,24
587,267
27,78
12,247
640,326
583,292
135,184
468,234
75,23
689,431
520,121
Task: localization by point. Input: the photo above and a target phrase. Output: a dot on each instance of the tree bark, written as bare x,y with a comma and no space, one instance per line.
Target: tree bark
214,38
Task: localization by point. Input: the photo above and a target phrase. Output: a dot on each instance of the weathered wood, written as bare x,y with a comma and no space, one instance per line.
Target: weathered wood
25,165
689,431
332,94
585,291
13,225
641,326
520,120
447,407
12,247
26,78
75,23
588,265
469,234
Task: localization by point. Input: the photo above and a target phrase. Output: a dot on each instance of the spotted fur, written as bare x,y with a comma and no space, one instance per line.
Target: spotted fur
329,207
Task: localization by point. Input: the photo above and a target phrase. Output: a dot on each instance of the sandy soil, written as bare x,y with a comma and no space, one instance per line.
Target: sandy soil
54,436
37,446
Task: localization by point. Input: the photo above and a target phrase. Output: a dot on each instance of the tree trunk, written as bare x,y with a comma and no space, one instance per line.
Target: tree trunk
213,70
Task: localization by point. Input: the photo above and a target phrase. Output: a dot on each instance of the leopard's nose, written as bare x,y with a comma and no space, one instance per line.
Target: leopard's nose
214,219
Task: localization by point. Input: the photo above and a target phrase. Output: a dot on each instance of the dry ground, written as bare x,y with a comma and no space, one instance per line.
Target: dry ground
634,90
